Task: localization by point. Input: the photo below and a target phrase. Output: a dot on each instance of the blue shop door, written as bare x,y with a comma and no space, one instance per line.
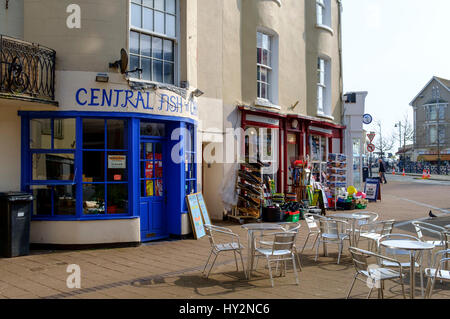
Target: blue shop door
152,205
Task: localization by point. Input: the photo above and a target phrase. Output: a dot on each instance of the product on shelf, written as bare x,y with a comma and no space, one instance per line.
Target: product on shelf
336,177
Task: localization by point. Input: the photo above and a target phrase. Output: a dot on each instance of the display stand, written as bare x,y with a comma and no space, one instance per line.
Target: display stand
336,175
249,187
299,178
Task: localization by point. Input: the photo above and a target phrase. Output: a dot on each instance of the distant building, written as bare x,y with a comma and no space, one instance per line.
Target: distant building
355,137
405,153
431,122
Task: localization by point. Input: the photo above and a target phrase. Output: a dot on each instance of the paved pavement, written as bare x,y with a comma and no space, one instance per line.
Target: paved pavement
172,269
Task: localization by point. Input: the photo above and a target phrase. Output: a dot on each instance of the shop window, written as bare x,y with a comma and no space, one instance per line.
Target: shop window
96,174
105,166
190,161
356,144
54,200
52,164
319,155
48,133
152,129
262,144
152,40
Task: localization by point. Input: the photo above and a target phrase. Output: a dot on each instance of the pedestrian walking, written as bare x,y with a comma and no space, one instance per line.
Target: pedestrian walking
382,171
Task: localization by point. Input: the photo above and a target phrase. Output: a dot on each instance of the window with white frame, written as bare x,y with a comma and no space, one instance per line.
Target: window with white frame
441,134
153,25
432,134
264,65
323,87
435,110
323,12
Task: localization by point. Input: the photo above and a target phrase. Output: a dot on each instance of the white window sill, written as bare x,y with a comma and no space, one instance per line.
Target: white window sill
266,103
329,117
324,27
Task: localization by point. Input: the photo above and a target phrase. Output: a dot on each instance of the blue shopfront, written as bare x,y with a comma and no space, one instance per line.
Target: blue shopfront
90,170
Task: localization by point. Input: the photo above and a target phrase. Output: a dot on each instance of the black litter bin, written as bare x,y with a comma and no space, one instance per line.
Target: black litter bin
365,173
15,215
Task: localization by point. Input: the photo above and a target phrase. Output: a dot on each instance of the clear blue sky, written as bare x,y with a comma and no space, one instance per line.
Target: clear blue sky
392,48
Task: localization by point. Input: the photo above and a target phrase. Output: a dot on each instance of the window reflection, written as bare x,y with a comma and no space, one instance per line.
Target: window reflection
64,131
53,166
40,134
153,129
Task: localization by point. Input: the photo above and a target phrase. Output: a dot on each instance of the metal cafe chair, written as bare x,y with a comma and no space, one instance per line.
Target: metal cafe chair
281,250
396,253
213,233
373,217
332,231
439,271
287,227
432,229
313,228
294,227
376,274
373,231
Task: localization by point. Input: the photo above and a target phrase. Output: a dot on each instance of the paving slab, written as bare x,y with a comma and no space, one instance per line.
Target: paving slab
173,269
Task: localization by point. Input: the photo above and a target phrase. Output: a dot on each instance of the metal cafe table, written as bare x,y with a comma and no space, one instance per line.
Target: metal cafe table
257,227
353,218
412,246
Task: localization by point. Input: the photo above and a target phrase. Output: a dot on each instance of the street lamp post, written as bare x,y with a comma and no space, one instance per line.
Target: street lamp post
437,96
399,125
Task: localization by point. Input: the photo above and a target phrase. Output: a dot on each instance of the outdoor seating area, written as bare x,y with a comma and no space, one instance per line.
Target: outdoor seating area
396,257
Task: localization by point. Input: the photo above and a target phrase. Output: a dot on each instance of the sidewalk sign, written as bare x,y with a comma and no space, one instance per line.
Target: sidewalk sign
201,203
373,189
196,215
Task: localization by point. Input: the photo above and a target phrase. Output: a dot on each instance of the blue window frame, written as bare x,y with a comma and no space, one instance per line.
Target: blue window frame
190,161
52,164
77,167
64,191
105,166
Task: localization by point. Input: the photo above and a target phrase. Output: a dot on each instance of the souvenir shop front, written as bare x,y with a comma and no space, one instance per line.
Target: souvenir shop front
112,165
294,137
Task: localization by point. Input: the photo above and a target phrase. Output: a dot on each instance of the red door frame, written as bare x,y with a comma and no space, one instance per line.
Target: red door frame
281,135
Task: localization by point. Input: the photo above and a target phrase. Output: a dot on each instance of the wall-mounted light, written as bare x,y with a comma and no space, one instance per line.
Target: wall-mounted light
294,124
102,77
197,93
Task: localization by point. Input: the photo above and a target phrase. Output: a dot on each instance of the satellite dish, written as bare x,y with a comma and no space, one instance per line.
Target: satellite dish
122,63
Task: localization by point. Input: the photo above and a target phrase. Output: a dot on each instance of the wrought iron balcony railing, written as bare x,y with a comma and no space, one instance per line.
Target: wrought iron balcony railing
27,69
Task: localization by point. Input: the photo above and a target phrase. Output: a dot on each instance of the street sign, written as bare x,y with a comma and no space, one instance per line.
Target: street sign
371,136
367,119
370,148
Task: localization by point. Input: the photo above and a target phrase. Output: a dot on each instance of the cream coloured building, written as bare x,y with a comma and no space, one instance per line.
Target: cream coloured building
95,143
296,90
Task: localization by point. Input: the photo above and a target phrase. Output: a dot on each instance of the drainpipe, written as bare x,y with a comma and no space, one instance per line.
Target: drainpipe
341,80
